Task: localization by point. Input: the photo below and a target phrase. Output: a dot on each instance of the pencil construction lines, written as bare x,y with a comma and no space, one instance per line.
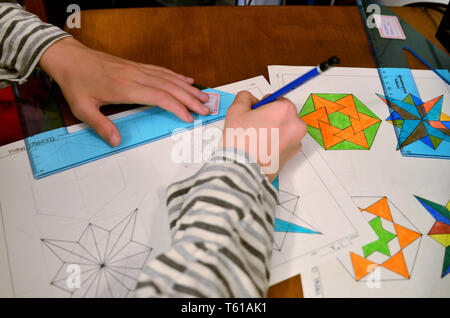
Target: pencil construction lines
108,261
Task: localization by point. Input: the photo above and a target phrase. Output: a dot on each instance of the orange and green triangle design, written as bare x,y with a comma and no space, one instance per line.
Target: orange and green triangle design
340,121
384,237
440,231
396,262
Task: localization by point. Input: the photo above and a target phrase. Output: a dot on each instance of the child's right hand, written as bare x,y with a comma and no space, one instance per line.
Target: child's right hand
280,115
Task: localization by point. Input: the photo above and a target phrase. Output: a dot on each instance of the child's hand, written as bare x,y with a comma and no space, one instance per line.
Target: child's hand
90,79
280,115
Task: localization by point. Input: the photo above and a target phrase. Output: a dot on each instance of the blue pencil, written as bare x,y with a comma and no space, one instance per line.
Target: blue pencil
322,67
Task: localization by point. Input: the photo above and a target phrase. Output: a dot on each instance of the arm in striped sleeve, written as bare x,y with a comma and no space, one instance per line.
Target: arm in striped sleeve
23,40
221,222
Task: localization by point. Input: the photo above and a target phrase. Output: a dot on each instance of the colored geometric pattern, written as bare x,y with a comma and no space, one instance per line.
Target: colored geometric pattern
393,259
286,221
416,121
440,231
109,260
285,226
384,237
340,121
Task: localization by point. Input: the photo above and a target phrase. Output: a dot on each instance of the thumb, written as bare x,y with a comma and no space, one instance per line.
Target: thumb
242,103
102,125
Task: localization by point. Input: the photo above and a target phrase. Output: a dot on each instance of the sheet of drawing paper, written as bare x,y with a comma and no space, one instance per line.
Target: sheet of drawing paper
88,231
309,207
317,219
403,199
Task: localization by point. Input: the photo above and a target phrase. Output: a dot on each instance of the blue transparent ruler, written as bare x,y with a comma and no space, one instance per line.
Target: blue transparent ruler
421,131
57,150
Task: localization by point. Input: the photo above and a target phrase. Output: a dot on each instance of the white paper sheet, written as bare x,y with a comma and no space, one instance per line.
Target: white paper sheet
368,175
323,206
318,202
109,217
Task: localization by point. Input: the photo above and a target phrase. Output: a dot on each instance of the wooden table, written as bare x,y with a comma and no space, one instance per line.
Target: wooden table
221,45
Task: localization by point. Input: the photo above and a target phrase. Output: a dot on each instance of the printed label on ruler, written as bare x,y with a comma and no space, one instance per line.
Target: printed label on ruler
42,141
389,27
213,103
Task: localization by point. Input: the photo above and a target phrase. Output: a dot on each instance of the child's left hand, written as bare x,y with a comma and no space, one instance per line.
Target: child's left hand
90,79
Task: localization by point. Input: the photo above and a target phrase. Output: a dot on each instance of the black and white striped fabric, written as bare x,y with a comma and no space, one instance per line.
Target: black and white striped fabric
221,222
23,40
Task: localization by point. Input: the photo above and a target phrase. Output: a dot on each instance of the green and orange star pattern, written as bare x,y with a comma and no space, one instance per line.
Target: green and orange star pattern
340,121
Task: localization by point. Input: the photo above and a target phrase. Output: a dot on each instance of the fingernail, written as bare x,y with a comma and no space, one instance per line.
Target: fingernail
114,140
189,117
206,109
204,96
188,79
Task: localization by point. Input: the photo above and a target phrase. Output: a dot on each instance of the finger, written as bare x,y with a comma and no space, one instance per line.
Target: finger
145,95
203,97
242,103
178,92
278,99
282,109
102,125
295,149
167,71
148,66
302,128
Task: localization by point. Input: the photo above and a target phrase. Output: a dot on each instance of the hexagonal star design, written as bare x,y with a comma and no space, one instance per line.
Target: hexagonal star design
340,121
394,253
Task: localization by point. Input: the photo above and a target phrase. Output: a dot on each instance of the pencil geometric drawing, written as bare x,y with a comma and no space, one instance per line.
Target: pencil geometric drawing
286,221
340,121
109,261
394,252
416,121
440,231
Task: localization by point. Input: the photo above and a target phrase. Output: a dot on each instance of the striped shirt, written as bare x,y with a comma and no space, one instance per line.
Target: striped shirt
23,40
221,219
221,222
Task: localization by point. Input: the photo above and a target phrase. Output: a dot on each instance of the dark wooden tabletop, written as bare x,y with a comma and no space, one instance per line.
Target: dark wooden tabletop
221,45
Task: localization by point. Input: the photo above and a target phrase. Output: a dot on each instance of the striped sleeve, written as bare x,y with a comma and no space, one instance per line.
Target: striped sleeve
221,222
23,40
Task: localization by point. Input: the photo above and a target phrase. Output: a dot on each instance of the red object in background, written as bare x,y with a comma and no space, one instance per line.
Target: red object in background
10,129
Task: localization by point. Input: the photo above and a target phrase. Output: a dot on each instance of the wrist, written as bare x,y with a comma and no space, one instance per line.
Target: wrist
226,153
59,58
267,160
